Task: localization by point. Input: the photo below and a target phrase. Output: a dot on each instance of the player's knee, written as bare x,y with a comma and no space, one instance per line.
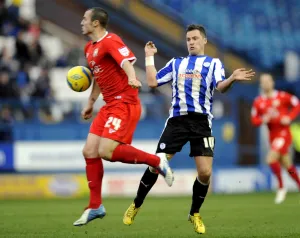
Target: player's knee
89,152
204,175
272,157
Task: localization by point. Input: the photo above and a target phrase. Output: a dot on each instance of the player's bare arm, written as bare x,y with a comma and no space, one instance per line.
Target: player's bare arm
87,112
238,75
150,51
129,70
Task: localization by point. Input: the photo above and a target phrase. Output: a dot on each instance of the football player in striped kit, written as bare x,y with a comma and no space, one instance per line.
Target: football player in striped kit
194,79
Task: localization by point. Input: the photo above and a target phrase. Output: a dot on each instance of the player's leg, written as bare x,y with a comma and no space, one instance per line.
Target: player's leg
117,136
287,162
94,171
148,180
273,160
202,150
173,138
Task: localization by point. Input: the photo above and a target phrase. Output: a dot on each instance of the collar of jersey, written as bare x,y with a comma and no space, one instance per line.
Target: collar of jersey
102,37
196,55
274,94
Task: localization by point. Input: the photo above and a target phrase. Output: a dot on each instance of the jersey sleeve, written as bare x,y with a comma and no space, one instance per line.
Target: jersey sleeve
255,116
218,72
293,102
119,51
164,75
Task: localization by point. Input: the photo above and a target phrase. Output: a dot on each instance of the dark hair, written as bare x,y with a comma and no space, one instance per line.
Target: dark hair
196,27
99,14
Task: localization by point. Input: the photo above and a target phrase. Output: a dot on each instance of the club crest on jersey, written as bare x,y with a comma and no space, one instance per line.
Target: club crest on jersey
95,53
124,51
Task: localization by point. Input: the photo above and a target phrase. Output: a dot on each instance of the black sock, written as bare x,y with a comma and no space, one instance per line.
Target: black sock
147,182
199,193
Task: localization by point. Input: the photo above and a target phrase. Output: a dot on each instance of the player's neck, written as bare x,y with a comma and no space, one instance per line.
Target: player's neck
269,94
97,35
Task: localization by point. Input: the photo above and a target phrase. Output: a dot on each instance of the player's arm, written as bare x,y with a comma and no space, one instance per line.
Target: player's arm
95,92
124,57
154,78
256,118
294,103
130,72
222,84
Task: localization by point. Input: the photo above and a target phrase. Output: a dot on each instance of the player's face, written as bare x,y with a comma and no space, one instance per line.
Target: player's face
195,42
266,83
86,23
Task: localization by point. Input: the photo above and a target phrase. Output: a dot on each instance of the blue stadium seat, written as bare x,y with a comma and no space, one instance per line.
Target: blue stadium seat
269,27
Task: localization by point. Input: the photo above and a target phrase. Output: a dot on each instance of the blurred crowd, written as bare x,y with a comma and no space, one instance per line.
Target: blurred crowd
19,88
16,86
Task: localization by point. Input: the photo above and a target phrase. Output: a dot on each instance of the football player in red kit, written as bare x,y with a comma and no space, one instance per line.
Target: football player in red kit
111,132
277,109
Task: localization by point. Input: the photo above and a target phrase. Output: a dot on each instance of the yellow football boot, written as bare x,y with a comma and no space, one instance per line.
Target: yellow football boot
198,223
130,214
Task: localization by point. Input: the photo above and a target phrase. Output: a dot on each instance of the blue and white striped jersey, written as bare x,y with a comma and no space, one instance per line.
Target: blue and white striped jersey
194,79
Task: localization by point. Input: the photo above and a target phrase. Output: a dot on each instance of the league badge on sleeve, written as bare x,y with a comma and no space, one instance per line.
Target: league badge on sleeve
124,51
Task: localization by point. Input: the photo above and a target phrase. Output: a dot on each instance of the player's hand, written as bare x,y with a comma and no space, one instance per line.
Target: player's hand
150,49
243,74
134,83
87,112
285,120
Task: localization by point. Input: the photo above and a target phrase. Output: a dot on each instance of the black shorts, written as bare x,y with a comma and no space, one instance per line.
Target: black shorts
181,129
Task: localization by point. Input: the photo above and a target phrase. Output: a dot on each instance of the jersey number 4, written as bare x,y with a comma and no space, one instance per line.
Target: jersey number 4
115,122
209,142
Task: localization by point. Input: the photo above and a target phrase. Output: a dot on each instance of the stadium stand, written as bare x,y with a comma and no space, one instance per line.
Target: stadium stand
252,28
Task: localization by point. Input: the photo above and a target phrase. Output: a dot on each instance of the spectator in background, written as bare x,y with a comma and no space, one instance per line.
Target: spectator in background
6,61
36,51
23,78
42,87
6,120
34,28
3,16
8,89
22,50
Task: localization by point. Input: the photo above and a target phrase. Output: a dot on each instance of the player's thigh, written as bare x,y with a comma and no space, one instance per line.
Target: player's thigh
278,148
173,137
202,142
90,149
286,160
106,147
99,121
134,115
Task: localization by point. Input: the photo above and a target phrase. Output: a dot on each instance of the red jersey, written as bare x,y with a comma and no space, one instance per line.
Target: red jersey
105,58
278,105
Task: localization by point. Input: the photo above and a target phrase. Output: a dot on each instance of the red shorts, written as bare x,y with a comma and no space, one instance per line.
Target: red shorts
117,121
281,144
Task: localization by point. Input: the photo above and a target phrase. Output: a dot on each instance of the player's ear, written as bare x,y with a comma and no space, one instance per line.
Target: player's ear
95,23
205,40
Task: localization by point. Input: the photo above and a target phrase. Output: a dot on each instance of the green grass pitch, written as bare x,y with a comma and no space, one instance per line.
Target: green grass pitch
232,216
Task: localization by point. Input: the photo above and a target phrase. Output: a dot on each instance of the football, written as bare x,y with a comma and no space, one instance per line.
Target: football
79,78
